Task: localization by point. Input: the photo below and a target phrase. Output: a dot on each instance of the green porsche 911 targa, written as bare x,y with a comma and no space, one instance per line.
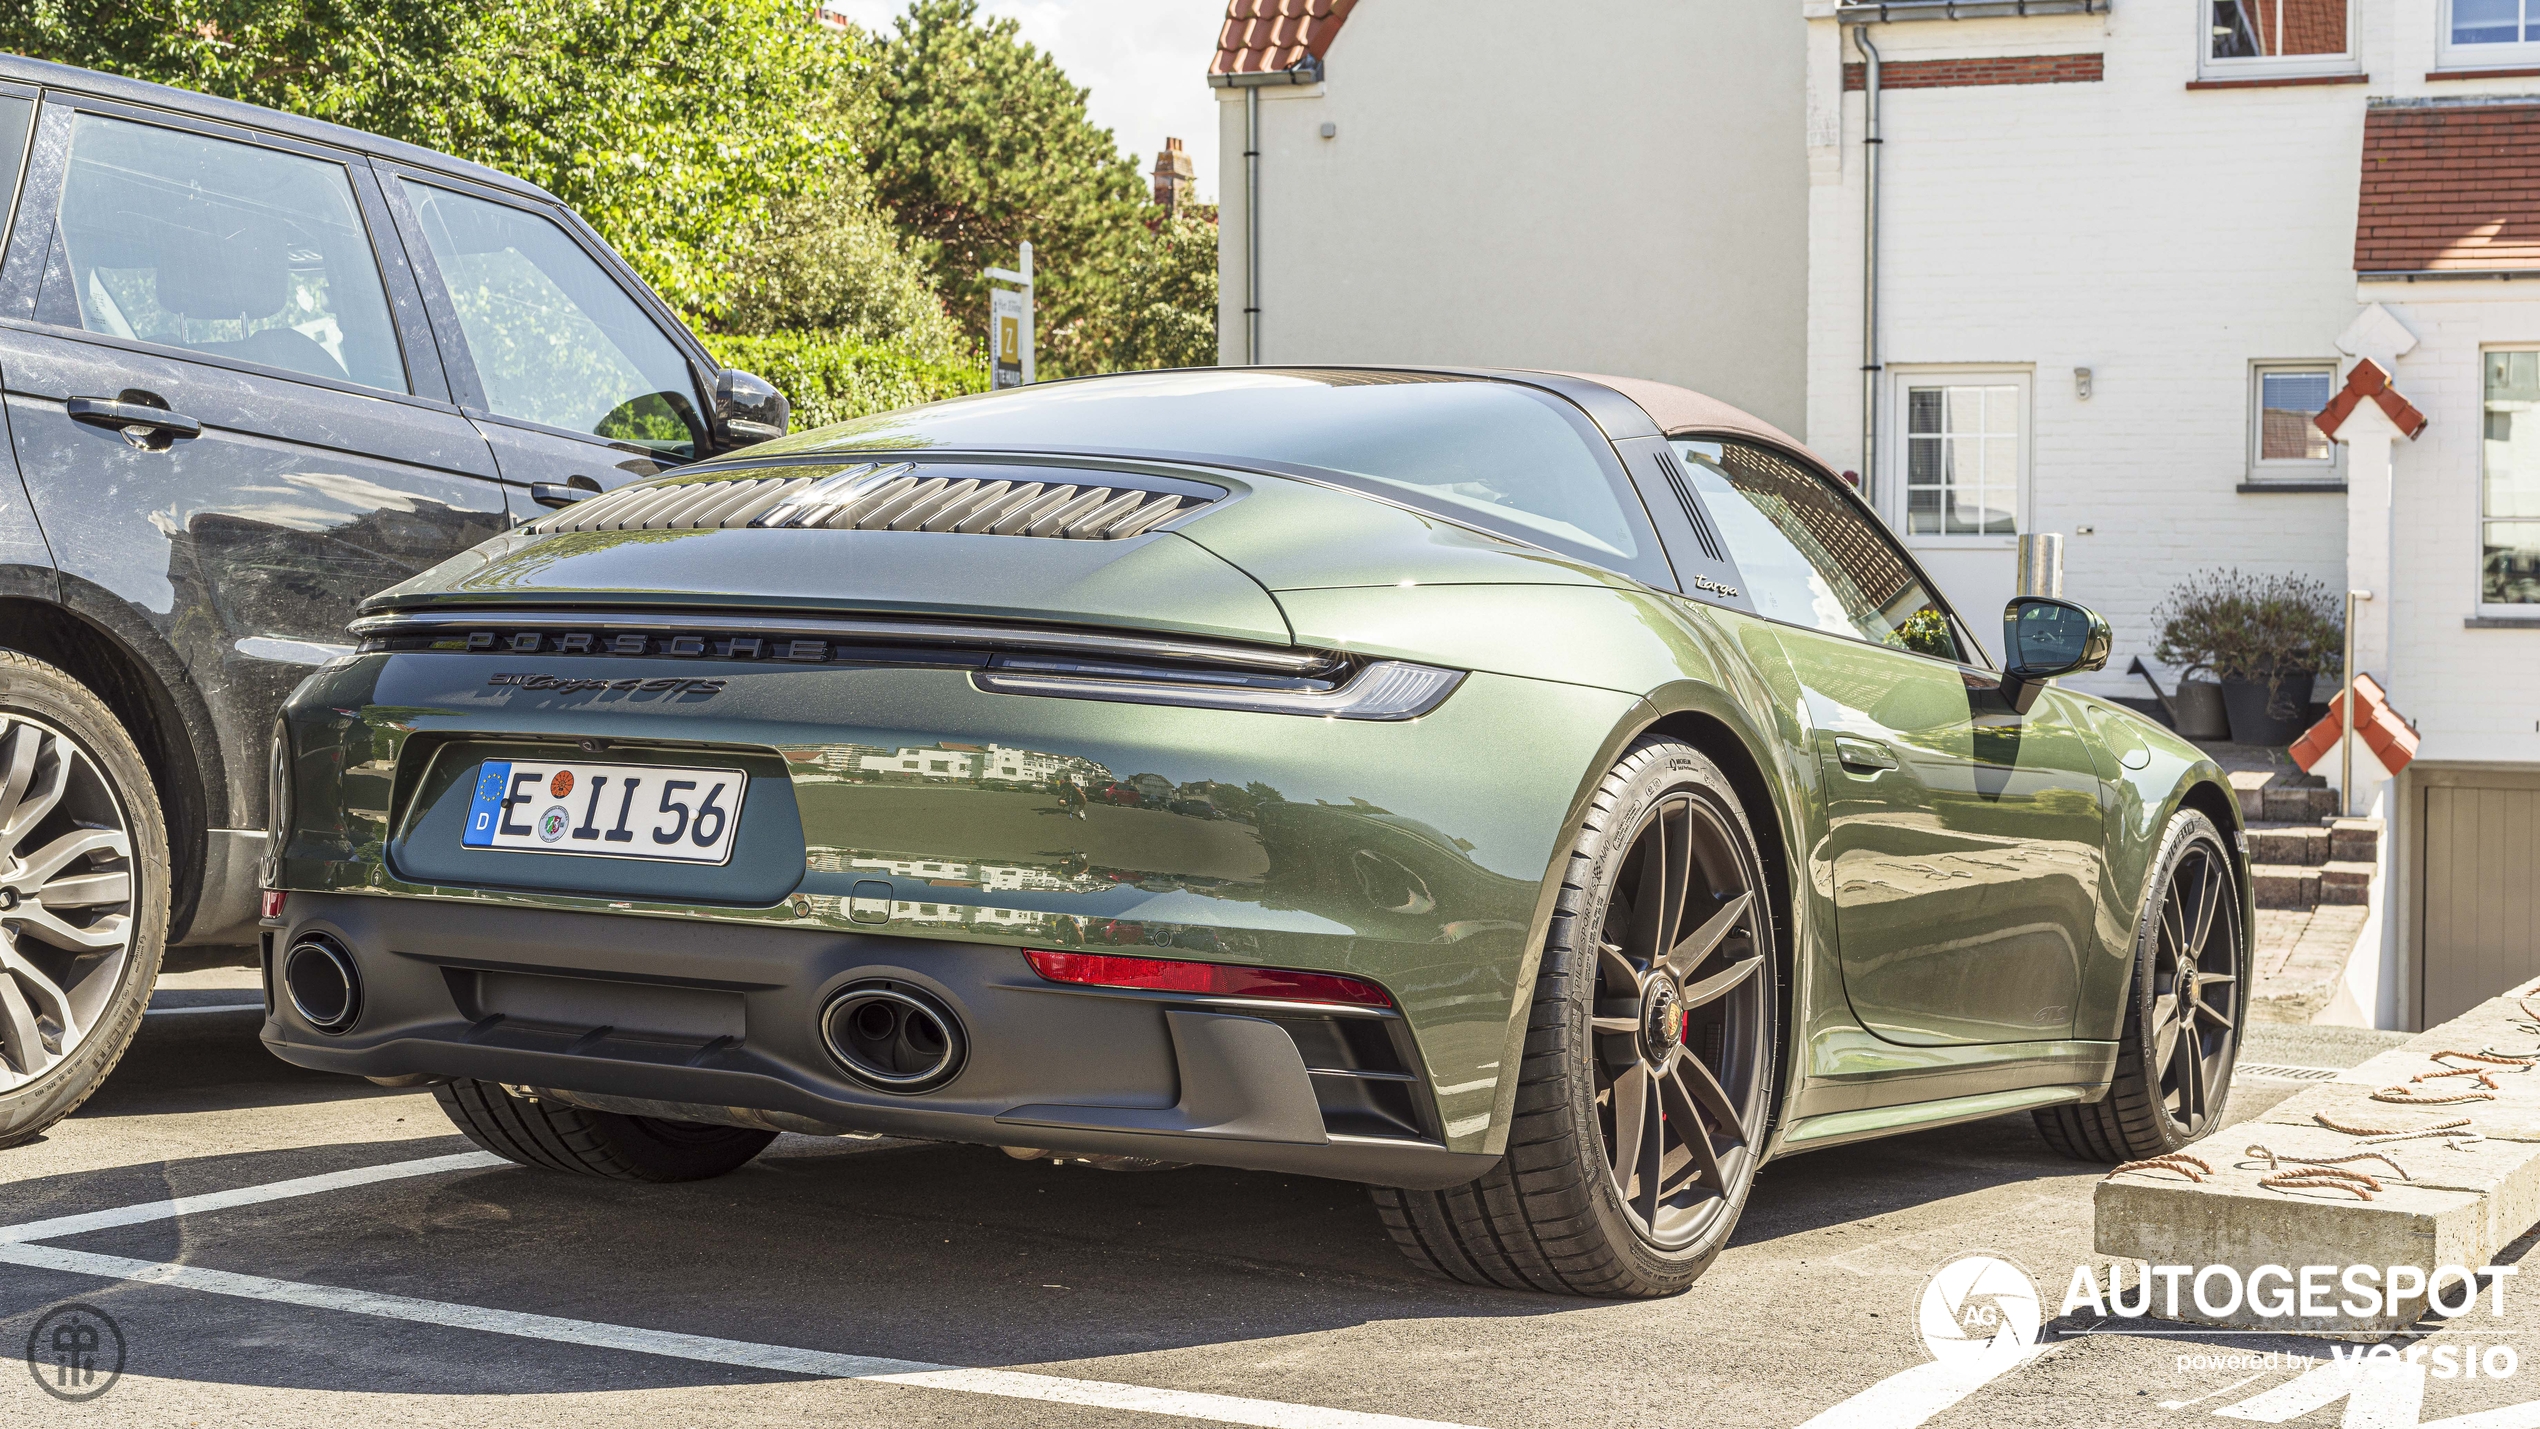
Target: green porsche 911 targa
1542,798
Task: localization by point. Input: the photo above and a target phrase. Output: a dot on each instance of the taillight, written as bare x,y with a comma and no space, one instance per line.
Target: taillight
1213,979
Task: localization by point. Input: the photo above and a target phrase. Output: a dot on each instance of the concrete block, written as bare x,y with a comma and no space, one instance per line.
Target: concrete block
2454,1205
2346,882
2285,885
2297,844
2249,786
2354,840
2299,805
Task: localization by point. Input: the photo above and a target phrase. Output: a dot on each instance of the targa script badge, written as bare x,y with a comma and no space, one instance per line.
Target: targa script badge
568,684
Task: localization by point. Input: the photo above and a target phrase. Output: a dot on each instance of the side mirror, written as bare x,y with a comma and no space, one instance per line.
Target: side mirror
748,408
2043,637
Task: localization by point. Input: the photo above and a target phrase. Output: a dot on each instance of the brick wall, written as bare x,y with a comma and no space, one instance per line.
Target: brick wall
1975,70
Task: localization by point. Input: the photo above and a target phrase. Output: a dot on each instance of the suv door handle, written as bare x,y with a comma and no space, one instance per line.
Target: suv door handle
125,416
1862,754
558,496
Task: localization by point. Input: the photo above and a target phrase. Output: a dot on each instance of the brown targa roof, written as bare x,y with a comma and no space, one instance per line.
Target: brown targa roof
1262,36
2449,185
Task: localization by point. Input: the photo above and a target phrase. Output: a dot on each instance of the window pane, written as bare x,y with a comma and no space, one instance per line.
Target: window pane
222,248
1807,556
2511,451
2486,22
1962,461
2252,29
1502,456
2511,569
555,339
2287,401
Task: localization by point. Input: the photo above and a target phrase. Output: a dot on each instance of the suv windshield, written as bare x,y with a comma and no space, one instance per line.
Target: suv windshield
1495,454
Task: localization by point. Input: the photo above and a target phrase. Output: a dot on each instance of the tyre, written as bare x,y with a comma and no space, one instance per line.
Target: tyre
1648,1070
552,1136
83,894
2183,1013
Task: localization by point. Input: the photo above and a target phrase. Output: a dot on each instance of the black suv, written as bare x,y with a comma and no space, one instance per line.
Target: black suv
257,368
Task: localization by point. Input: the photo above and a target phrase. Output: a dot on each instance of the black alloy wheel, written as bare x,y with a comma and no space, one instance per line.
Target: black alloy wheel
1645,1093
1678,1010
2182,1026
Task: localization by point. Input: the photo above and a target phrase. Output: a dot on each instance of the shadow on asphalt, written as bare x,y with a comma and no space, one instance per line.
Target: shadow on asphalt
937,1253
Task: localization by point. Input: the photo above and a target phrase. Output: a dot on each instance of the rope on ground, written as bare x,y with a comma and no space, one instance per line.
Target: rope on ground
2454,1133
2322,1178
2518,1061
2271,1158
2193,1168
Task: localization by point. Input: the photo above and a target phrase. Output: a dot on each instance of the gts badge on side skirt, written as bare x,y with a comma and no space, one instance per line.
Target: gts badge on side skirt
566,684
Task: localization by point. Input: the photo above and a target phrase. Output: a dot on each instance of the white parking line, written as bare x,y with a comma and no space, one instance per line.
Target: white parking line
16,1249
1906,1399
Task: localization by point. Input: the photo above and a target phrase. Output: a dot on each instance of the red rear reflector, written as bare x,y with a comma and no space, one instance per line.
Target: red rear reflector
272,903
1217,979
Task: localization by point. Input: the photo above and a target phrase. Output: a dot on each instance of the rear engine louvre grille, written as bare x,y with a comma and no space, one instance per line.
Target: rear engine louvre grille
875,496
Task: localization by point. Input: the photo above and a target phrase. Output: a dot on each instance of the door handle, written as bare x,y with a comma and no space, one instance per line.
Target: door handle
126,417
559,496
1862,754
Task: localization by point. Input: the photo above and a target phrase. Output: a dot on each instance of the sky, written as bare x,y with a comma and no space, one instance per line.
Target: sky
1145,61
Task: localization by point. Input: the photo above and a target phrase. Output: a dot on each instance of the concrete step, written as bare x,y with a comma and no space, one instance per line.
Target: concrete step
2346,882
2296,805
2286,885
2289,843
2355,840
2249,787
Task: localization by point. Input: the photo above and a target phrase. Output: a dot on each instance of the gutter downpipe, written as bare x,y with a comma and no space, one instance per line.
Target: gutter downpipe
1870,364
1252,225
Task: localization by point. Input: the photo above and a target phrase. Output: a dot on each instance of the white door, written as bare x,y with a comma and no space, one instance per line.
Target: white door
1957,488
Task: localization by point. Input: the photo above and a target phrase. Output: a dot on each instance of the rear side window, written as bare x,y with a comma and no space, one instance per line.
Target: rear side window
1809,557
222,248
555,340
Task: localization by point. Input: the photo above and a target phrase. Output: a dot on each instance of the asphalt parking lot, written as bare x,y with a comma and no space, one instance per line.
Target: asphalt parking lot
925,1284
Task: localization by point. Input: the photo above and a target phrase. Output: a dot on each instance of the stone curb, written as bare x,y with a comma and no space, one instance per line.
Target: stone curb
2455,1206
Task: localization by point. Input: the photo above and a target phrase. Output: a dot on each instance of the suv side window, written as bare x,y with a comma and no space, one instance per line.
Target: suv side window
555,340
221,248
1809,558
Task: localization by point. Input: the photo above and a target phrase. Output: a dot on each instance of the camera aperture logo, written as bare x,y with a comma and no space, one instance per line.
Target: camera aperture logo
75,1352
1979,1306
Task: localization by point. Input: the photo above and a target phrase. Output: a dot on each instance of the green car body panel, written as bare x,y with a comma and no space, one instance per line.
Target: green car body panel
1957,930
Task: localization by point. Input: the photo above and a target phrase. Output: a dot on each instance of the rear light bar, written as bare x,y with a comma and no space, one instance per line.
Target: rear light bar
1213,979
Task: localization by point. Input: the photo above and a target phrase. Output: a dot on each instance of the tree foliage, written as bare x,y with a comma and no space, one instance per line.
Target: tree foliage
1165,310
980,142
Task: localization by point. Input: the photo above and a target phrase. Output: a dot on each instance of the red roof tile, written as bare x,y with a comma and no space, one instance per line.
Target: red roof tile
2376,724
2449,185
2368,380
1262,36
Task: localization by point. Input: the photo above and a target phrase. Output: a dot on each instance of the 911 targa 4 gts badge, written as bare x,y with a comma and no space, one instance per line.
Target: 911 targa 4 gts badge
567,684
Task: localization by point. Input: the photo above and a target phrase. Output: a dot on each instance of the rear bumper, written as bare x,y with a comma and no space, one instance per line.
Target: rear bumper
723,1016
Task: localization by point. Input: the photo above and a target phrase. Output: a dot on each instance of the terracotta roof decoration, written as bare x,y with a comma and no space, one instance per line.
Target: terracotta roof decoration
1269,36
2451,185
2378,725
2369,381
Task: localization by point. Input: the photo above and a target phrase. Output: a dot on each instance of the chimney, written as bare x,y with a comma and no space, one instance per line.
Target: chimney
1174,176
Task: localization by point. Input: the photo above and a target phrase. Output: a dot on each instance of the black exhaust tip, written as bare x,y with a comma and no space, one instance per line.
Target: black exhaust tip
893,1037
325,988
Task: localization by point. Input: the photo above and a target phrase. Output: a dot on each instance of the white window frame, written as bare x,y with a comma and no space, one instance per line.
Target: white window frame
1902,380
2297,469
2275,66
2478,517
2521,54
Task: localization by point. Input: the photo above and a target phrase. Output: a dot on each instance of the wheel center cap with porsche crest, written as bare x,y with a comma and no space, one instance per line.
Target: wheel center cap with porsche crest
1662,1021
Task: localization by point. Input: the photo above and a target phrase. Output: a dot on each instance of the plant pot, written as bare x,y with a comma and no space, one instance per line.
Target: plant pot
2253,721
2198,707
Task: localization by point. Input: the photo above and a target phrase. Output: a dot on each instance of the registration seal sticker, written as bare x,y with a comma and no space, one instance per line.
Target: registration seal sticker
551,823
561,785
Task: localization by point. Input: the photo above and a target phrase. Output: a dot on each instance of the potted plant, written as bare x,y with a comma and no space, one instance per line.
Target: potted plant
2265,637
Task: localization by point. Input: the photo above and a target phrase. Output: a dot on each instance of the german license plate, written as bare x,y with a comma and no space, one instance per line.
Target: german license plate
606,810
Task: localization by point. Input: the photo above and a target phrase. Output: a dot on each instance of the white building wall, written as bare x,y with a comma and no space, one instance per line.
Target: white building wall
2161,237
2474,694
1618,190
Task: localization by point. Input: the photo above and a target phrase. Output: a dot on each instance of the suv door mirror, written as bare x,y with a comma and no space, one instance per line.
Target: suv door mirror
2043,637
748,408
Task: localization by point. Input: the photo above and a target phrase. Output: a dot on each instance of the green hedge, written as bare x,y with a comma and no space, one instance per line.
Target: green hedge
830,379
